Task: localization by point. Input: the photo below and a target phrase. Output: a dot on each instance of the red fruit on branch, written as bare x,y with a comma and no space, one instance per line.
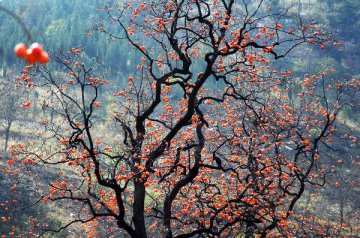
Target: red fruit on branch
26,105
44,58
30,57
20,50
36,49
35,54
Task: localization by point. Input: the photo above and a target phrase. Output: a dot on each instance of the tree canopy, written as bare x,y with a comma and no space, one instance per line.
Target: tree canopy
204,135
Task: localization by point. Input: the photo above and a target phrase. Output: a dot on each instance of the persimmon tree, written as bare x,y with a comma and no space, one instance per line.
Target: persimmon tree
187,159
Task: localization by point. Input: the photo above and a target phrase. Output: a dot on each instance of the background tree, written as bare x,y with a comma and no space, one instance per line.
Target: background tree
10,106
9,109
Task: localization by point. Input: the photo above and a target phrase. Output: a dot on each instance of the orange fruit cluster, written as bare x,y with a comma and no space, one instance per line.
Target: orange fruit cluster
34,54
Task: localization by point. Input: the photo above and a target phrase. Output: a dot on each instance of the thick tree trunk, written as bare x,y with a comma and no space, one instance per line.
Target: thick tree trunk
138,210
249,233
167,215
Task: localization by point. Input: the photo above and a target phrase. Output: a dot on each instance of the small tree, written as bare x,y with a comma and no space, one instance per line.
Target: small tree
10,106
208,143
